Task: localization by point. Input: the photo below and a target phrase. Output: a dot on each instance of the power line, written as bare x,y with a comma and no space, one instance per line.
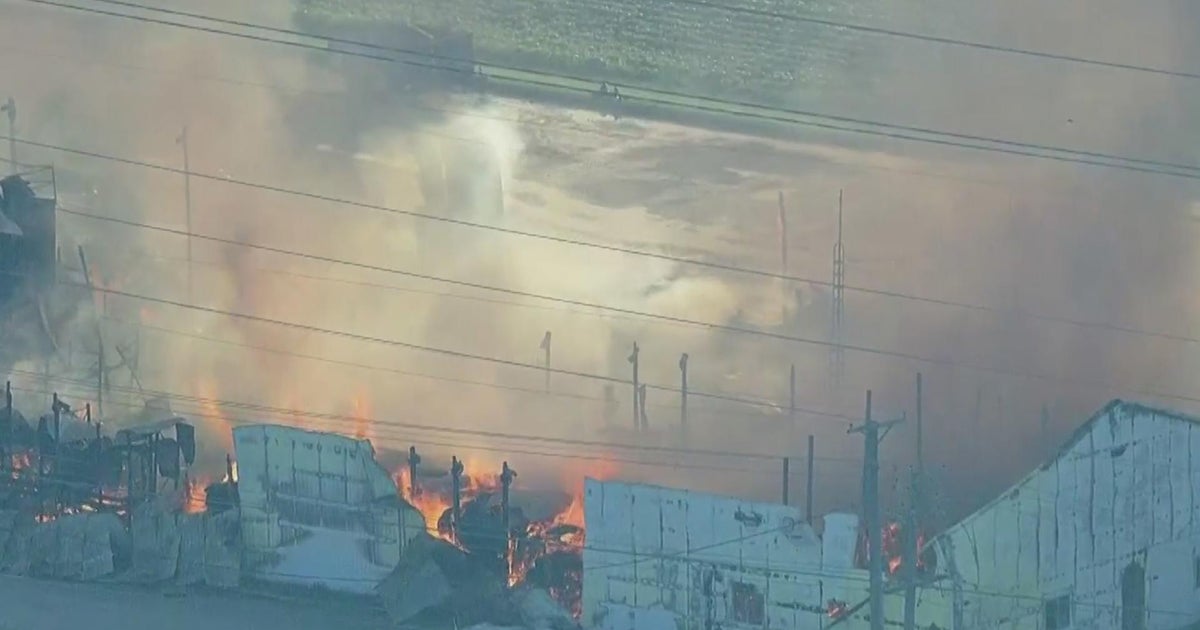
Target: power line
949,41
673,99
447,379
1025,374
598,246
412,426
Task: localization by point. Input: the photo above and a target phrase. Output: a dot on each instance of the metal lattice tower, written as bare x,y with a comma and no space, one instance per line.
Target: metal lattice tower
837,361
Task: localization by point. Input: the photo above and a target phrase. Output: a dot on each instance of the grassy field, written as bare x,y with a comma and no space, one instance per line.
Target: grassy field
657,43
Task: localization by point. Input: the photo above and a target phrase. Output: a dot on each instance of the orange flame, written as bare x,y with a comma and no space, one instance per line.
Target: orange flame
431,505
194,499
364,427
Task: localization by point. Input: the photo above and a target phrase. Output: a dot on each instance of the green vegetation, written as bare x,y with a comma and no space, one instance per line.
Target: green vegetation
657,43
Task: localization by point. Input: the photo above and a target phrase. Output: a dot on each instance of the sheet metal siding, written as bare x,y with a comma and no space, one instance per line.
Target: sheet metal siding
319,505
1122,494
679,552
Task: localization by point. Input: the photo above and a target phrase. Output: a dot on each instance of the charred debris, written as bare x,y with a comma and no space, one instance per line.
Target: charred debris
80,501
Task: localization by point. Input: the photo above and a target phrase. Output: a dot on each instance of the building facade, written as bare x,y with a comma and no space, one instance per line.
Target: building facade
1105,536
658,558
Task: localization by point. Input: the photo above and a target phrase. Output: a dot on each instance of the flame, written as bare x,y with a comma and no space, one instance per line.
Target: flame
431,505
573,513
364,426
194,499
893,549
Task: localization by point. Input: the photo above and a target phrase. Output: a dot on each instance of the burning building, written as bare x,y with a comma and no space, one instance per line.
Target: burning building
1104,535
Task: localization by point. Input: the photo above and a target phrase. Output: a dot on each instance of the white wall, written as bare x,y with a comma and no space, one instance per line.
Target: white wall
316,508
1126,490
656,557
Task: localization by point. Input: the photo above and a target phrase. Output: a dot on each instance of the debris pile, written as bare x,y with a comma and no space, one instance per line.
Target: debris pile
77,504
478,532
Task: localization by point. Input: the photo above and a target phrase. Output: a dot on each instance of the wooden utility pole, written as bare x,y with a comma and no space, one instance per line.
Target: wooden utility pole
182,140
683,393
783,237
645,420
792,399
920,432
909,558
808,494
10,107
871,439
637,393
506,478
414,460
546,348
787,475
456,471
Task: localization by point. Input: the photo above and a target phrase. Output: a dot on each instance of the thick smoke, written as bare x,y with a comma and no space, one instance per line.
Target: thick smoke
1017,234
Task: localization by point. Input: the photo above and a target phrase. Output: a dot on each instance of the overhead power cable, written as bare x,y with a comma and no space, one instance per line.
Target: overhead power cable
672,99
418,426
1025,374
598,246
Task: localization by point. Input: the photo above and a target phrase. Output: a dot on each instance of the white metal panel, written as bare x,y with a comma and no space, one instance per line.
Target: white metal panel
783,563
1181,480
1143,487
1027,535
1047,535
1066,504
1172,599
647,545
1006,545
340,510
838,541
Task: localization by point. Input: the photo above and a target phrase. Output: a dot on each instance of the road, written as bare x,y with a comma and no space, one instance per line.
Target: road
27,603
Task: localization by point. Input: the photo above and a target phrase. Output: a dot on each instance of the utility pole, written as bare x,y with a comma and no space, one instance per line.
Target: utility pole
506,478
792,400
546,348
871,439
683,392
642,407
836,357
413,461
787,474
10,107
182,140
456,471
808,494
920,432
783,237
633,359
909,561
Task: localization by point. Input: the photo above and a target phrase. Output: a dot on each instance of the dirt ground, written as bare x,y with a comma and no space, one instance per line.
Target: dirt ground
26,604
